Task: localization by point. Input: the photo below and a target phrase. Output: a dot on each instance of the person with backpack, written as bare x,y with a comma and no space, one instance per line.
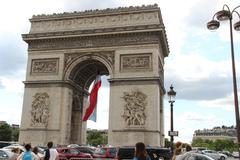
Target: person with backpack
28,154
50,153
140,152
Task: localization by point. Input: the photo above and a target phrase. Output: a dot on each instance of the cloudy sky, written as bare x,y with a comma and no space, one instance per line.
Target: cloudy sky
198,66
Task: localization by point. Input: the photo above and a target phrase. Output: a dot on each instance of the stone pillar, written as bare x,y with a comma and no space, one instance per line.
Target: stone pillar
135,97
46,111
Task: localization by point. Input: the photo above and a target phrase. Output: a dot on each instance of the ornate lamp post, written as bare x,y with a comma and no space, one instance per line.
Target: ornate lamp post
223,15
171,95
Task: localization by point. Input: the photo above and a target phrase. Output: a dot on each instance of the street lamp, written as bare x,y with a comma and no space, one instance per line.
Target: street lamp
213,25
171,95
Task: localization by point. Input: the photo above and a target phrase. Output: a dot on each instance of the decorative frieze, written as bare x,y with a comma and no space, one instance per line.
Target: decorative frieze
45,66
135,62
71,57
90,22
134,108
91,42
40,110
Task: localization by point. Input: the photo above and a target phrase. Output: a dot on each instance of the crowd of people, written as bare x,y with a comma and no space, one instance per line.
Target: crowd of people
51,153
32,153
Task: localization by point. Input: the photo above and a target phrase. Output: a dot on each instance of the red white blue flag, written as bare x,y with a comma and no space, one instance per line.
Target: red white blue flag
91,110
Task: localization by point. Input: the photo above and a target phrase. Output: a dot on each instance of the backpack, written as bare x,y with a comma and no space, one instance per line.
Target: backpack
47,154
27,155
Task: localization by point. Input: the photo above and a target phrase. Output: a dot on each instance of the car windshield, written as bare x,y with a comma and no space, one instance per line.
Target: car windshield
100,151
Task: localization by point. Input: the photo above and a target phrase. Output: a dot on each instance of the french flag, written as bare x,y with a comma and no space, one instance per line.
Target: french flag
91,110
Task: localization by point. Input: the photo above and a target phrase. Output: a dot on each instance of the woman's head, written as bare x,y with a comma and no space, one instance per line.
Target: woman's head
140,150
178,144
140,146
35,150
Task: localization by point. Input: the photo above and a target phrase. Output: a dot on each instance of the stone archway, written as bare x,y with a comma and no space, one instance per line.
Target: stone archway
64,53
81,69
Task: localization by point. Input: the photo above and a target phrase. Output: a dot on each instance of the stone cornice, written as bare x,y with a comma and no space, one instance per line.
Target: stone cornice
137,130
96,12
53,83
137,80
94,32
71,40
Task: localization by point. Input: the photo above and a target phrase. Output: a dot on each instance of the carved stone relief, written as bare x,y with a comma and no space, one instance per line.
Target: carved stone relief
134,108
40,110
82,23
136,62
71,57
45,66
129,39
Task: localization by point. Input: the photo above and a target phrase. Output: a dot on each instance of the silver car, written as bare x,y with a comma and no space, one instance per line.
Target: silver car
215,155
193,156
6,155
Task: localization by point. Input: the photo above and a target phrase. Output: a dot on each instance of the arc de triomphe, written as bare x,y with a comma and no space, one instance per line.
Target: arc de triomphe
66,50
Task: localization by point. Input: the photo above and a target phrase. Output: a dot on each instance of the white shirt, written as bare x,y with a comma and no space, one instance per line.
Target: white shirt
53,154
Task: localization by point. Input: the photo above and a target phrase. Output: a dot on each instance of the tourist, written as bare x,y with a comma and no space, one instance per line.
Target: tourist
35,151
50,153
28,154
177,151
140,152
188,148
17,152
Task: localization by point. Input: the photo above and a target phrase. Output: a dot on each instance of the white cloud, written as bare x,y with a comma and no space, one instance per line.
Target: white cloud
226,103
189,121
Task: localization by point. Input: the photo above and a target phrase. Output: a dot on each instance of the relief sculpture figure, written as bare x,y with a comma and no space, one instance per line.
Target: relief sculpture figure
40,109
134,108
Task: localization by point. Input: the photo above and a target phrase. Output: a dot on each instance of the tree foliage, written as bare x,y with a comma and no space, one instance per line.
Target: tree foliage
5,132
218,145
96,138
167,143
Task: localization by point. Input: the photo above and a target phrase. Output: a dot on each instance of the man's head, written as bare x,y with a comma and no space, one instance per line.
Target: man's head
28,146
50,144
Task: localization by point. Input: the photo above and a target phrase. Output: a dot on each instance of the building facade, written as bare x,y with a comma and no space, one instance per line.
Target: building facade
215,133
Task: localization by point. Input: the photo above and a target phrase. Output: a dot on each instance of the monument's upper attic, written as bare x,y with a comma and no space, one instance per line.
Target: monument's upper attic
95,19
118,21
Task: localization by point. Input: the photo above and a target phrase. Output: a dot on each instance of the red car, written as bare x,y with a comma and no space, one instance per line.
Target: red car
105,152
67,153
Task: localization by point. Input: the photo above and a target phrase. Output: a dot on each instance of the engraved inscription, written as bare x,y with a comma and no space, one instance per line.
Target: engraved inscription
134,108
44,66
82,23
136,62
40,110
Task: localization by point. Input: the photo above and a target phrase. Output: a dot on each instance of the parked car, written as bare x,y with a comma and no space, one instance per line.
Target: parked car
194,156
4,144
85,149
105,152
155,153
227,153
14,146
6,155
235,154
215,155
67,153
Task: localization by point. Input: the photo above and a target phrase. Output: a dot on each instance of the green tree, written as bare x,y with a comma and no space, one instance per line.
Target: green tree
167,143
95,138
5,132
15,134
217,145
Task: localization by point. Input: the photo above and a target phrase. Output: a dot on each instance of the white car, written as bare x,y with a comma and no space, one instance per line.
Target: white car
215,155
193,156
